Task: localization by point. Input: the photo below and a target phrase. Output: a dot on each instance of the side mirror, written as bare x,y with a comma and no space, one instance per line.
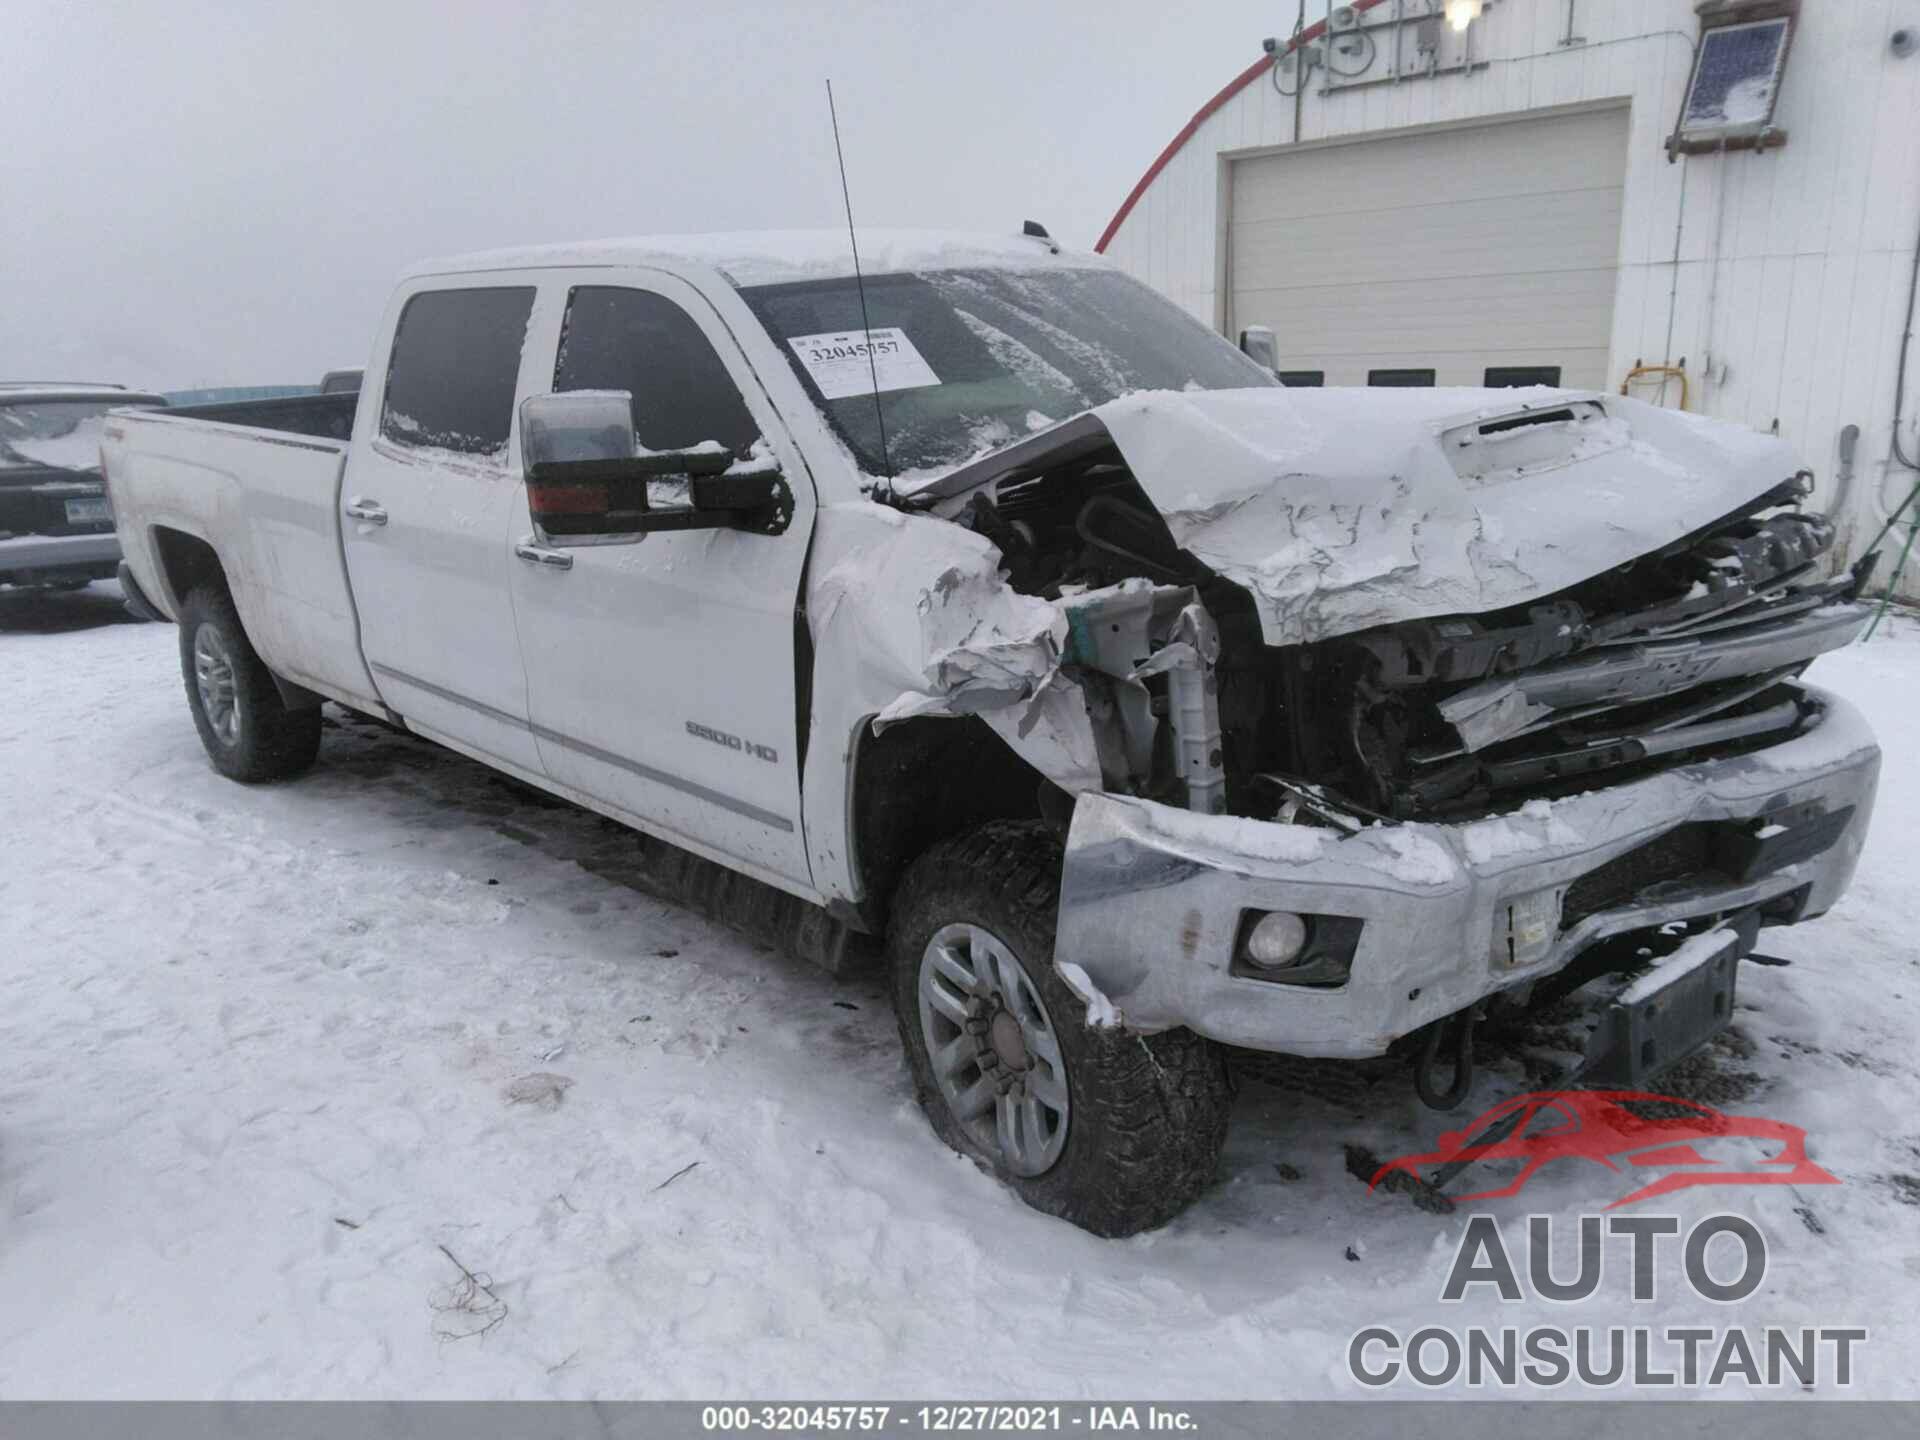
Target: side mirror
1258,345
589,483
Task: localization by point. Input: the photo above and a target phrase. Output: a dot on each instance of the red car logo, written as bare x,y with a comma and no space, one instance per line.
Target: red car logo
1688,1143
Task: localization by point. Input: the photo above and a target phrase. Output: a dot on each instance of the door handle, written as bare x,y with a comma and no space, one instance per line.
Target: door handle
540,555
367,510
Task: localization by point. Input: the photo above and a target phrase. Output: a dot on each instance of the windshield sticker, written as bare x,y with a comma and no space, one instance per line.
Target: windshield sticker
838,362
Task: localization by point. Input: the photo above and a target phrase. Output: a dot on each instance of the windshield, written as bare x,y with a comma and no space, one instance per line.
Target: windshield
970,360
62,433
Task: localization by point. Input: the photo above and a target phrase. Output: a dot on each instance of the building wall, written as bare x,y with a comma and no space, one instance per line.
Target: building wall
1787,298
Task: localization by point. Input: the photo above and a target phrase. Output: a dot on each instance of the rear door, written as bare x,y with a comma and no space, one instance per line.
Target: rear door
663,671
427,511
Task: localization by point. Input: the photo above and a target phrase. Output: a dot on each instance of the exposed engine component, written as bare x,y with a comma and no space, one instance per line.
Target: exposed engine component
1677,653
1680,652
1145,655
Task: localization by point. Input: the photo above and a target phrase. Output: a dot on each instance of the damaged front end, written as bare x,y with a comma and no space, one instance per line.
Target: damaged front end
1160,677
1683,653
1090,643
1351,751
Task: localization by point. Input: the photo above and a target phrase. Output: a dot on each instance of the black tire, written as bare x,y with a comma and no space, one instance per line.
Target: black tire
1147,1114
269,741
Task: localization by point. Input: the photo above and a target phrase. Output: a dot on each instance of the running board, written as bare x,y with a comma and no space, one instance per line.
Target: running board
754,908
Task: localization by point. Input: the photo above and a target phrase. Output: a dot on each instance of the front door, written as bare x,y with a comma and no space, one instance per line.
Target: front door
662,672
428,515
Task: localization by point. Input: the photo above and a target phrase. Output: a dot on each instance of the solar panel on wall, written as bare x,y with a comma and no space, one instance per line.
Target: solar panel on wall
1735,79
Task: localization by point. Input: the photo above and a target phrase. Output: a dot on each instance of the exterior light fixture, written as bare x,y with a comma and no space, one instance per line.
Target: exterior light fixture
1462,13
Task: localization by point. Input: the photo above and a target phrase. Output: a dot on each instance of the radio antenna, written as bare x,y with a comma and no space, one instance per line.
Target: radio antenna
859,284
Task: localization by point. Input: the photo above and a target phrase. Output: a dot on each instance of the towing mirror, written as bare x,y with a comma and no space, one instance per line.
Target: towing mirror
588,483
576,425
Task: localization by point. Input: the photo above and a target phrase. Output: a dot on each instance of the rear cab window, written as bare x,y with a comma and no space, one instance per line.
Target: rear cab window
453,368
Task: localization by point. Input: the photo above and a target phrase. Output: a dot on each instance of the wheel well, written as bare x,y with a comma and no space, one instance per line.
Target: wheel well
924,780
186,563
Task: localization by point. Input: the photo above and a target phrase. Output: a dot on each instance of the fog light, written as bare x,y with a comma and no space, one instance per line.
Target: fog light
1276,939
1279,947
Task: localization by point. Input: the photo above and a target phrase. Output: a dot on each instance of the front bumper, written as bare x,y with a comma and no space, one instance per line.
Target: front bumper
1152,898
23,556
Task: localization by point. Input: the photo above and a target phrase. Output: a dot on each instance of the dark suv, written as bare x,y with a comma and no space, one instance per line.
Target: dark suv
56,525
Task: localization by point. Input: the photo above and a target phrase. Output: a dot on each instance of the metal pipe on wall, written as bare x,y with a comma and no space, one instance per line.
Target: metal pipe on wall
1843,473
1898,455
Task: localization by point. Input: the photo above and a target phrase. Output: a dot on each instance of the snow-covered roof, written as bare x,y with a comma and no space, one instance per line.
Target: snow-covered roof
765,257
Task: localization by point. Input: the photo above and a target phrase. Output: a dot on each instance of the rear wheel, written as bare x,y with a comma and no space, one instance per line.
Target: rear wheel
248,731
1113,1130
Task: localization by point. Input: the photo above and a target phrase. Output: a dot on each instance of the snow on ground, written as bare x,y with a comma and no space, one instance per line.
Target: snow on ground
276,1062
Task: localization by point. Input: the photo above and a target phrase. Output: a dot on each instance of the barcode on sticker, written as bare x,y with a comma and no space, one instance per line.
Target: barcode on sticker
855,362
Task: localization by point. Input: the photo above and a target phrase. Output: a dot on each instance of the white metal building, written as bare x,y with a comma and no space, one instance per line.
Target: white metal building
1403,202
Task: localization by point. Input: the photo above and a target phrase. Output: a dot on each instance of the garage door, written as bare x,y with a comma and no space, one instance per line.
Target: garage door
1435,258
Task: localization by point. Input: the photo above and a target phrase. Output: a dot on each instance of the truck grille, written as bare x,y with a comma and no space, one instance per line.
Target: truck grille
1707,852
1683,854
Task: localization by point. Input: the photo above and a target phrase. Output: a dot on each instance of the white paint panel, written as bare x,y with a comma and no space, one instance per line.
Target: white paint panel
1449,249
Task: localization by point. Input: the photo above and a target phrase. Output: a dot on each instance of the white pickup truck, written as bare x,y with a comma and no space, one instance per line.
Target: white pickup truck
996,615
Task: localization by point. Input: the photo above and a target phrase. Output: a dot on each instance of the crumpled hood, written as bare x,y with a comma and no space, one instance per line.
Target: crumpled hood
1340,510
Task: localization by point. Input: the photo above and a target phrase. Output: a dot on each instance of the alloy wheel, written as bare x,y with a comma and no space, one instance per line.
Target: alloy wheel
994,1050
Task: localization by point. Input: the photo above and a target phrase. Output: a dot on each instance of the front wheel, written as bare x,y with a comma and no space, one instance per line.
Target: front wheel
248,731
1111,1129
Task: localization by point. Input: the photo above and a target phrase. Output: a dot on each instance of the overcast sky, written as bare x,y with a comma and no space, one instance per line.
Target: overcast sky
205,193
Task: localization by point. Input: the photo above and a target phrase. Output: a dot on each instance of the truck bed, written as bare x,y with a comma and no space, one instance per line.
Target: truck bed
329,417
258,482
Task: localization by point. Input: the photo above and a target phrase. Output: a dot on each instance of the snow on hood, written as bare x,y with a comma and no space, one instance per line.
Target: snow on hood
1340,510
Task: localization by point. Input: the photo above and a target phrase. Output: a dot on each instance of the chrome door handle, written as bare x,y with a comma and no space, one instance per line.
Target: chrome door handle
367,510
540,555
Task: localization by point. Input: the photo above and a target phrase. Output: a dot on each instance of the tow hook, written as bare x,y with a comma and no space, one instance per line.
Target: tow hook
1455,1033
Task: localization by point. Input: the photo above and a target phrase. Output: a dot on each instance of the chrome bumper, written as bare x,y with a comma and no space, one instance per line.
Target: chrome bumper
23,553
1151,897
